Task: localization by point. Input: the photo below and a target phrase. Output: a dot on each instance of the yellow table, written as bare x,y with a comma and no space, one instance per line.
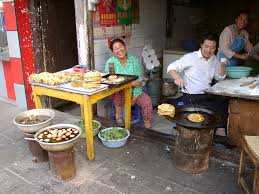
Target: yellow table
86,102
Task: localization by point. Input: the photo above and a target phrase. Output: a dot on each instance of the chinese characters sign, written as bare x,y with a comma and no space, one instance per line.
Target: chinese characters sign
124,12
107,13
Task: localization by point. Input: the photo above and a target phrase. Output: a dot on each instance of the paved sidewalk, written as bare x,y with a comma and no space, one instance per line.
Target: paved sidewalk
142,166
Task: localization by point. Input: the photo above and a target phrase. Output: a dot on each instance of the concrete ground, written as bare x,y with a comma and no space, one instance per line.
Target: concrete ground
144,165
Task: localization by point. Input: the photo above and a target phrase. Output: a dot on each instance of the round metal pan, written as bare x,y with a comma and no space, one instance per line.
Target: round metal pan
212,120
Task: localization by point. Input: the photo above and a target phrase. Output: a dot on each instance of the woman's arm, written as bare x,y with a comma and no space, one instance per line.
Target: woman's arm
138,72
254,52
225,41
243,56
106,67
247,44
256,57
136,83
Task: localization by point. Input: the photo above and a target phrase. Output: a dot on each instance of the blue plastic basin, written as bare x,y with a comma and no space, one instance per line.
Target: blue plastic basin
238,71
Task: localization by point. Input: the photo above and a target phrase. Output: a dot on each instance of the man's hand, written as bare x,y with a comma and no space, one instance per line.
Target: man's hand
224,61
177,78
180,82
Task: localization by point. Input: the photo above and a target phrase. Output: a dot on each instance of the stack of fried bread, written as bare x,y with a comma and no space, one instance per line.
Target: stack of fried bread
50,78
92,80
77,79
166,109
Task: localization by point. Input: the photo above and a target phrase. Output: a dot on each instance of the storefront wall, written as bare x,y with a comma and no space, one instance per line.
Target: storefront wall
12,67
152,27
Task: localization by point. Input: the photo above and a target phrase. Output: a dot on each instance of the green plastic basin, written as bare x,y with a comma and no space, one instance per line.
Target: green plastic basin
238,71
95,124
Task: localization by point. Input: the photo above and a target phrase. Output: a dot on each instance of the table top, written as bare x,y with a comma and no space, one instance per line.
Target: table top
232,88
68,88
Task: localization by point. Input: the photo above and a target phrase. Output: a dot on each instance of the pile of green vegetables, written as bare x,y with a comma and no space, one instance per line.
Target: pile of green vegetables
96,125
114,134
81,124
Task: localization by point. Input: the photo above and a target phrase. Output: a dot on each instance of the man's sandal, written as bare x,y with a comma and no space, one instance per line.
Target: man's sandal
119,122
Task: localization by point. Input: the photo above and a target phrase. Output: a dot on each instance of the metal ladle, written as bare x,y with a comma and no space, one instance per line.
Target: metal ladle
191,100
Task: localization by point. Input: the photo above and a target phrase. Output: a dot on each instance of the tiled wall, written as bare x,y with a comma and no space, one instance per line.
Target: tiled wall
13,69
151,27
3,89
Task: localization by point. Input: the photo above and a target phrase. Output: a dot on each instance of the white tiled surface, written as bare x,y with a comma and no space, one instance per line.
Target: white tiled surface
13,44
20,96
163,128
158,123
3,90
161,124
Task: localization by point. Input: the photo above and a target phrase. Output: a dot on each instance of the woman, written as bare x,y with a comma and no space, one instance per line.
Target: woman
125,63
255,52
234,39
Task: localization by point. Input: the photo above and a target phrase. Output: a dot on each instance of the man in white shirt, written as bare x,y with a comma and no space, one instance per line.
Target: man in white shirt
195,71
198,68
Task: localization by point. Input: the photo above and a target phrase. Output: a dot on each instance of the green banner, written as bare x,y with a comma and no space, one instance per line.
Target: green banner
124,12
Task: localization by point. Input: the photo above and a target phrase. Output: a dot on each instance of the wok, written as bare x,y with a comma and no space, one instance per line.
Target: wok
211,121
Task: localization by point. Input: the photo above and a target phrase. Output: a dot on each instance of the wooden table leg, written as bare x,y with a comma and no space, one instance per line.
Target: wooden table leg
256,180
127,94
82,111
88,127
37,100
241,167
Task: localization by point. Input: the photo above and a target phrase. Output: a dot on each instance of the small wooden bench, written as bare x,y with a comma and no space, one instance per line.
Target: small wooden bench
250,148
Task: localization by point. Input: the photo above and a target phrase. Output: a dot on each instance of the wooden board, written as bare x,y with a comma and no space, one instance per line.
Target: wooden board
243,119
253,144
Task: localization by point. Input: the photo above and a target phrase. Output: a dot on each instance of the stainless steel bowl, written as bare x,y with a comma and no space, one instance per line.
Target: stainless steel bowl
60,146
169,89
33,128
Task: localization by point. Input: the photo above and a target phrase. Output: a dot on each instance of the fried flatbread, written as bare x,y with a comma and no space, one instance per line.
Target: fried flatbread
112,77
166,109
196,117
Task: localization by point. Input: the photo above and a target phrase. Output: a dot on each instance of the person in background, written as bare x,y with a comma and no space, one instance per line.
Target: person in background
233,39
125,63
255,52
194,73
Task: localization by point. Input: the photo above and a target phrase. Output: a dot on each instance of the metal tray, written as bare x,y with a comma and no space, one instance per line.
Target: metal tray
46,85
128,79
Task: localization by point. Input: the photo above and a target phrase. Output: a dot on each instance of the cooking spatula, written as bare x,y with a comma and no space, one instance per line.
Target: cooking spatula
191,100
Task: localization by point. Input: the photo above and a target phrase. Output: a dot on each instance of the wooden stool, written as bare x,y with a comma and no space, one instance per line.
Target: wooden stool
250,148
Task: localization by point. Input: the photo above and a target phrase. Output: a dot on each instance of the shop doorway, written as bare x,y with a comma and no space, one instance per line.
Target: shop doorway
54,35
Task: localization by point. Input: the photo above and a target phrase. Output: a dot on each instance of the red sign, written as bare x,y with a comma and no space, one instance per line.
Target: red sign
107,13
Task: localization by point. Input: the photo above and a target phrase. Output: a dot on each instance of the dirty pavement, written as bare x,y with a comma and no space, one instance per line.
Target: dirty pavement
144,165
